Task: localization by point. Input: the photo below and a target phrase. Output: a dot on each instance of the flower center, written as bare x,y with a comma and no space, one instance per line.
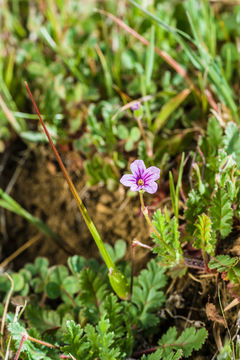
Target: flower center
140,182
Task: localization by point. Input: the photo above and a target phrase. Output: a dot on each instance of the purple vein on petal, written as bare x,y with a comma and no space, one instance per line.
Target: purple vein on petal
127,180
138,168
151,188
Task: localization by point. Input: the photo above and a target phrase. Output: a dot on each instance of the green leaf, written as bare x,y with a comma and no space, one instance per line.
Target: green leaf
71,285
147,296
158,355
29,348
169,108
214,134
18,281
168,231
42,319
76,263
135,134
122,132
221,213
223,262
190,339
76,343
119,318
232,141
102,340
93,293
118,251
53,290
203,233
129,145
58,273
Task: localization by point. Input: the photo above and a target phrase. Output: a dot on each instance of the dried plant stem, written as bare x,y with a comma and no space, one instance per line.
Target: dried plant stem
145,213
6,309
20,250
224,317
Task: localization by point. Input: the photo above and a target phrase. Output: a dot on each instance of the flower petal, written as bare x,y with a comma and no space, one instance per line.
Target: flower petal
152,174
138,168
135,187
128,180
151,188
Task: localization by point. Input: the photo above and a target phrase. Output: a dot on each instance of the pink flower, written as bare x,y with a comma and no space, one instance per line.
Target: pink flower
141,178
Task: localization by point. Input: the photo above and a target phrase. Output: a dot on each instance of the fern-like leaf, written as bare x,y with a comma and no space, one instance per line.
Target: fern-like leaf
223,263
118,316
30,349
190,340
93,292
76,344
221,213
194,207
203,233
214,135
102,341
159,355
147,295
232,141
168,232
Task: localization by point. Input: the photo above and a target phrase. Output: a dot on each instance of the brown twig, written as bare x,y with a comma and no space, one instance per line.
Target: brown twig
6,309
20,250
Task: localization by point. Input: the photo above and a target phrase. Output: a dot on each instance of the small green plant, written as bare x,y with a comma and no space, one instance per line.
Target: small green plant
86,318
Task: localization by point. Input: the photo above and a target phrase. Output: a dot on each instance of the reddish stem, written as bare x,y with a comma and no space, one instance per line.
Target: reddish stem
24,337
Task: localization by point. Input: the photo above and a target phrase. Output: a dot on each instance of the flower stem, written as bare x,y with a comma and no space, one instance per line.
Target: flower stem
145,213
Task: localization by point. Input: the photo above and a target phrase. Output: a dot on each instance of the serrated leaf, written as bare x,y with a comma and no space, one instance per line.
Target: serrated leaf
147,295
194,207
221,213
168,232
33,352
191,339
232,140
215,134
223,262
93,293
102,340
76,344
203,233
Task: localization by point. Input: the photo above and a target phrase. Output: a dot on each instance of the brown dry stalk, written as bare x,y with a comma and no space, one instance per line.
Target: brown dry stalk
6,309
20,250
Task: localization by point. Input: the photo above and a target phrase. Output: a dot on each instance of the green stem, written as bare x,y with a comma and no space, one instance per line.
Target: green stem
145,213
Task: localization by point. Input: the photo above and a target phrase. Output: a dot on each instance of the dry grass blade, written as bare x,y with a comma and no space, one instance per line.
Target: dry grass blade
6,309
20,250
